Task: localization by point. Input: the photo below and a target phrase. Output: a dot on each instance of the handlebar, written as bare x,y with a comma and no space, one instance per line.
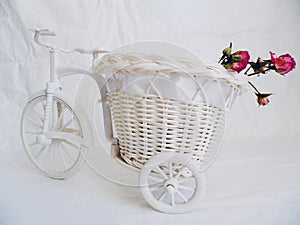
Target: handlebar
47,32
43,32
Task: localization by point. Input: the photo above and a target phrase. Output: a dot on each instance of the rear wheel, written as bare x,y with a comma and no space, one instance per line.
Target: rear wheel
172,183
56,157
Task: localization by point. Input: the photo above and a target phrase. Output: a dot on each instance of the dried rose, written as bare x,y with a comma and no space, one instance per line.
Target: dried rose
240,60
283,64
262,99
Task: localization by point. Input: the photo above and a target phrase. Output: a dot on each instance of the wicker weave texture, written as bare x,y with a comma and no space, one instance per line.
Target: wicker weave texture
148,125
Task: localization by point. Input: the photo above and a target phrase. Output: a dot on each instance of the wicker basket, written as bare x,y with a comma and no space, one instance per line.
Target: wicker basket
148,125
162,104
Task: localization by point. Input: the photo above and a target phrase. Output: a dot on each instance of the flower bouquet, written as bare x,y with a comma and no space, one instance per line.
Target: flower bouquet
240,60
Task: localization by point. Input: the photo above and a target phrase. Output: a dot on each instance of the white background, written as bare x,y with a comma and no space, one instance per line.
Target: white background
256,178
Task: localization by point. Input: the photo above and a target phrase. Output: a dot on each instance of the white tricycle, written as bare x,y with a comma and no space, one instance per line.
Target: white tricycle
164,114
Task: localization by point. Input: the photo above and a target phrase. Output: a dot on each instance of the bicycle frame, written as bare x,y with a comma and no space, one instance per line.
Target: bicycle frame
101,83
54,84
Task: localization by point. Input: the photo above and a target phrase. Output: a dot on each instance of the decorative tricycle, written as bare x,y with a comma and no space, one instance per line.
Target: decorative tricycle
164,115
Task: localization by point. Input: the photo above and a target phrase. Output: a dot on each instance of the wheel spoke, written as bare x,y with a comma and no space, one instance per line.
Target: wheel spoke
32,144
160,198
34,123
54,157
65,150
161,172
185,179
62,159
179,172
37,114
67,123
47,156
172,199
182,196
39,152
186,188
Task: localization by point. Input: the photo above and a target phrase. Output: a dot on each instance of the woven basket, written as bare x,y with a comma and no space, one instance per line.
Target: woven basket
148,125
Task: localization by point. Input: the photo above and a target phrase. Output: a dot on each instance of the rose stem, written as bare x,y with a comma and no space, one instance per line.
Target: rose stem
254,87
251,74
247,70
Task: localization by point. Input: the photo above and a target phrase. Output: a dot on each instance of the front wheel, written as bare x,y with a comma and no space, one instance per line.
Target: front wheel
172,183
56,157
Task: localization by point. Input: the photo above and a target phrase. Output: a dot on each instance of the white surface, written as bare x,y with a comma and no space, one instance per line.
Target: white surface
256,178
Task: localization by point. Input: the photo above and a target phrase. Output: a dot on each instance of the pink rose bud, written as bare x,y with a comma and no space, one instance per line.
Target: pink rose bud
262,99
283,64
240,61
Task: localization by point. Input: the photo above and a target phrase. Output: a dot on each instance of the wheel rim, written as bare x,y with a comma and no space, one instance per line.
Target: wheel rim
171,183
56,158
